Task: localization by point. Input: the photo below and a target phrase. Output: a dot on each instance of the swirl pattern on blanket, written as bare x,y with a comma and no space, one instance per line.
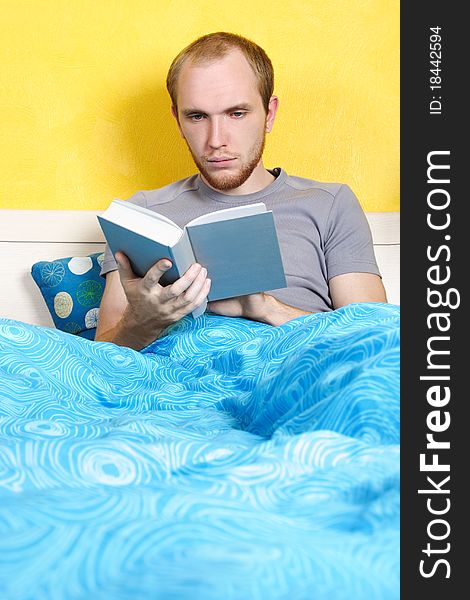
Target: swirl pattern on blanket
229,459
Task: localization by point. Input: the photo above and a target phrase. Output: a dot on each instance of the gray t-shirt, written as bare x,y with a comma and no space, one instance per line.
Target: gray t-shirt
321,227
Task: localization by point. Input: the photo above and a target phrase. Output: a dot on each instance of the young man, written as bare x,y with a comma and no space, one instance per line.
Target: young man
221,87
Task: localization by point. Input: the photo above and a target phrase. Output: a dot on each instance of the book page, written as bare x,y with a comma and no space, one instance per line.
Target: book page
229,213
143,221
145,211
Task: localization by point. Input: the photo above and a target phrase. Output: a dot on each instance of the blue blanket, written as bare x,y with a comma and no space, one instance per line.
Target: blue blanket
227,460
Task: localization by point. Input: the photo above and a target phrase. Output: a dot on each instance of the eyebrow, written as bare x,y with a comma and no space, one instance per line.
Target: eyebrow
240,106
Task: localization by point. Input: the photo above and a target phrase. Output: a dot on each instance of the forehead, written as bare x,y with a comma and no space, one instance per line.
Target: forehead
220,81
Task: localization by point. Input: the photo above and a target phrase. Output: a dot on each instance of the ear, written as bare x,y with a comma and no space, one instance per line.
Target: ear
174,112
272,110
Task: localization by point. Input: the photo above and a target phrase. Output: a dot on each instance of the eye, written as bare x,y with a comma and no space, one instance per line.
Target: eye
238,114
196,117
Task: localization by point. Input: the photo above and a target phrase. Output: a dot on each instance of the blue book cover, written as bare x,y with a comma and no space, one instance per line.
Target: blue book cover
242,256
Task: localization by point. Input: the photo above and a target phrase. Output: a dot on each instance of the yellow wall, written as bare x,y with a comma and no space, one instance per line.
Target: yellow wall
85,114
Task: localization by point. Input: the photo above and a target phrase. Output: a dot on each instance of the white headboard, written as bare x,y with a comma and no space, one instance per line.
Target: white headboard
27,236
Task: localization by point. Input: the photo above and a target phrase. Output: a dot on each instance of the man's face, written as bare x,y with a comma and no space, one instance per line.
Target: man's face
222,118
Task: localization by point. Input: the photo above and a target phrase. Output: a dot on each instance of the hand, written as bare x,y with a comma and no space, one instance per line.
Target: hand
251,306
257,307
153,307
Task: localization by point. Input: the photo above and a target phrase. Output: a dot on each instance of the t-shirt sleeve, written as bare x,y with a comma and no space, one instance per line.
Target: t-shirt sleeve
109,264
348,242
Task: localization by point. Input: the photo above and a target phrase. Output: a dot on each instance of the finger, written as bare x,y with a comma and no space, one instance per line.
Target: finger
203,293
156,272
198,300
182,284
216,306
194,290
124,267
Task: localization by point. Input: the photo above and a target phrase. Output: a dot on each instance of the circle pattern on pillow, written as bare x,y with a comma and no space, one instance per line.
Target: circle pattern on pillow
52,273
72,289
80,264
63,304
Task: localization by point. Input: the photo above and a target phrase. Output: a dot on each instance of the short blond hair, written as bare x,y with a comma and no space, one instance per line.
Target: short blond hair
214,46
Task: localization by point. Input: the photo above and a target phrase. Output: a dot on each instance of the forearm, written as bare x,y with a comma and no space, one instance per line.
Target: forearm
257,307
130,333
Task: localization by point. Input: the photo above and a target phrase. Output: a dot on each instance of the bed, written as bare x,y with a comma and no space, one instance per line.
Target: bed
228,459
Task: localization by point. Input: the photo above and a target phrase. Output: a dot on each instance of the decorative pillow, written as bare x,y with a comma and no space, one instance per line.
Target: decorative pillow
72,288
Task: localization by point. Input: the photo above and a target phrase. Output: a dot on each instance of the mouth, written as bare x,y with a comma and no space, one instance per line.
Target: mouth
221,161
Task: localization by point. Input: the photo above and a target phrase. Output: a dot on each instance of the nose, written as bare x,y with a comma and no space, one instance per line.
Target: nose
217,132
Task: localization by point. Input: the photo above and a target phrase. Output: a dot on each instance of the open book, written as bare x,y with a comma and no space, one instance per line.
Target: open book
238,246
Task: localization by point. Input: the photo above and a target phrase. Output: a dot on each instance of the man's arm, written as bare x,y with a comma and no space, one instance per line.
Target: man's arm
344,289
356,287
257,307
135,310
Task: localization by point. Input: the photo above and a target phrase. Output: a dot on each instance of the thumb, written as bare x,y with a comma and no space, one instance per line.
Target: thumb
124,266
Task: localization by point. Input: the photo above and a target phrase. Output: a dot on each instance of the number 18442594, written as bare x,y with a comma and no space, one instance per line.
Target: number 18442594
435,59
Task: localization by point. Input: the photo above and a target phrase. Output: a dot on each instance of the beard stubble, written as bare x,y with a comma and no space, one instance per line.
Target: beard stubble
226,182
